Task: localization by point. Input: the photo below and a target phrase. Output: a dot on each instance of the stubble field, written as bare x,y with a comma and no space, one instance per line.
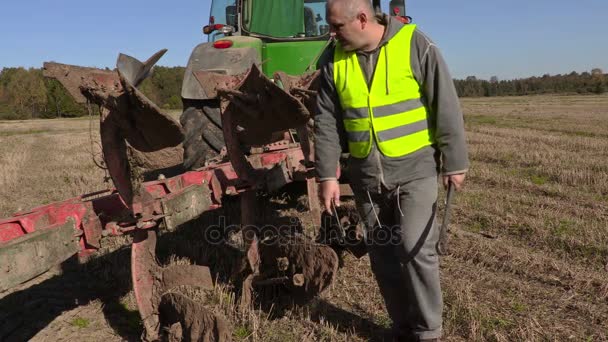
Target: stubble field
528,244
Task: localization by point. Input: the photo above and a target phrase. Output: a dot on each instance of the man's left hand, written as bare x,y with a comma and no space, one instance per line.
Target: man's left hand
457,180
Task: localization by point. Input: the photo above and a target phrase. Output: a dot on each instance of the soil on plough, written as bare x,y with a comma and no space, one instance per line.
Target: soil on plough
290,269
186,320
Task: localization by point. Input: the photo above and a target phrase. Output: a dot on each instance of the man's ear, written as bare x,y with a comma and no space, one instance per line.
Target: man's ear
363,19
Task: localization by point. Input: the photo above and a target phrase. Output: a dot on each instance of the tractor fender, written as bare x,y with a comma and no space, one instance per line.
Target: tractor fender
234,60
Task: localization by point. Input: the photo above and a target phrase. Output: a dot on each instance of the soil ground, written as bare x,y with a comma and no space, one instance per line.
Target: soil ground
528,242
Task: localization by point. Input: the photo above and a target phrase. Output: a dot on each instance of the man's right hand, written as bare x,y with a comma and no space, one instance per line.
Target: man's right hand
330,190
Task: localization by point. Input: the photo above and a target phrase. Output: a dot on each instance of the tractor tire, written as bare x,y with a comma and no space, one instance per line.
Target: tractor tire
204,138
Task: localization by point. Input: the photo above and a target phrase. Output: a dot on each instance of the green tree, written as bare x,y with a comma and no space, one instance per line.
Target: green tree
26,92
597,72
599,87
164,86
59,102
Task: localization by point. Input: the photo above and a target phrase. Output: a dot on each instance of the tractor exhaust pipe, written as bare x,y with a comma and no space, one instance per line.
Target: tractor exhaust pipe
377,6
396,9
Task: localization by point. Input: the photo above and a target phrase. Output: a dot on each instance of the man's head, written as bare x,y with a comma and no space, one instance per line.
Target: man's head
353,23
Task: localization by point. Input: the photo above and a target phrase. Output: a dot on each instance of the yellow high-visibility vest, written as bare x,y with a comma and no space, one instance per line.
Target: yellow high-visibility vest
391,110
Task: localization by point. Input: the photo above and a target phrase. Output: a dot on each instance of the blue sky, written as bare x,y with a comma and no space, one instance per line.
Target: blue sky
508,38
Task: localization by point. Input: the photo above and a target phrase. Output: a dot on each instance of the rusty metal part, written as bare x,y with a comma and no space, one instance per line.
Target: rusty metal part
239,162
32,254
135,71
128,119
306,142
151,281
213,82
282,263
185,205
317,264
75,79
296,280
256,111
144,270
303,87
259,107
311,269
145,126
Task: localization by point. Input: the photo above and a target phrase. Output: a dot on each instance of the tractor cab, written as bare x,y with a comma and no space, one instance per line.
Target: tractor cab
270,20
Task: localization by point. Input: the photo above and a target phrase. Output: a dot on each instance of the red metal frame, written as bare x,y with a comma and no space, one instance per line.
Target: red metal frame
98,214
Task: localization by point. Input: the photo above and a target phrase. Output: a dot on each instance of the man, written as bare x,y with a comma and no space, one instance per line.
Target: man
387,95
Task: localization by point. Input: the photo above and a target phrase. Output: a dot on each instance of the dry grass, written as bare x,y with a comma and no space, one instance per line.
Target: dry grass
529,235
539,175
43,161
531,248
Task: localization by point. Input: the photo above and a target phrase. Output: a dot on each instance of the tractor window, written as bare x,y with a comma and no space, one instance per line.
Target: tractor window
222,12
285,18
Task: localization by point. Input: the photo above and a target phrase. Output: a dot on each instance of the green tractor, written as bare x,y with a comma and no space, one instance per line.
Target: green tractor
286,36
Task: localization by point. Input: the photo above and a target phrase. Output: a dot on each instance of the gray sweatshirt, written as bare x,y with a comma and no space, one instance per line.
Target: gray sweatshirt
377,171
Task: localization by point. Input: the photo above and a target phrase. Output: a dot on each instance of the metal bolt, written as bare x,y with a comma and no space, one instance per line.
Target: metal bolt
145,224
298,279
282,264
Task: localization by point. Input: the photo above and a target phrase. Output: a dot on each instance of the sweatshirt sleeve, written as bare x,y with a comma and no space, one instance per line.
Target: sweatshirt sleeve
439,93
328,122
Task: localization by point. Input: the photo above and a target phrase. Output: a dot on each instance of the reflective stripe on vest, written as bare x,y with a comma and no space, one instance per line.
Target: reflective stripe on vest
391,109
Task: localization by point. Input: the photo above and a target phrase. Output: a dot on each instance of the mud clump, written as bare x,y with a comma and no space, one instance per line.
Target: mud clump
288,270
185,320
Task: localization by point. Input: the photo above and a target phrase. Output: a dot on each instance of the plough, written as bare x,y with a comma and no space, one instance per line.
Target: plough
266,127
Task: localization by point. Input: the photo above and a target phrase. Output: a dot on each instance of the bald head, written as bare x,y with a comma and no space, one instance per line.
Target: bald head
353,24
351,8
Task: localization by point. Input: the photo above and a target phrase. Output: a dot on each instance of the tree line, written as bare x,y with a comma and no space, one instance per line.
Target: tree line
594,82
25,93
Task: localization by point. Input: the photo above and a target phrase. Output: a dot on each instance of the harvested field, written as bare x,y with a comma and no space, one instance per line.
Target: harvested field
528,244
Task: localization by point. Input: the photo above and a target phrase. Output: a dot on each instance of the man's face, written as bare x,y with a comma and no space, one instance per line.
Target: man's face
348,31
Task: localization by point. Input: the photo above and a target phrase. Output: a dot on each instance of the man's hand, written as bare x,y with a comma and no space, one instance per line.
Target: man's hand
330,190
457,180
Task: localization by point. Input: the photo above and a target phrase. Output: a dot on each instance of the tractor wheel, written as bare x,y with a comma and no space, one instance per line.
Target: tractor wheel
204,138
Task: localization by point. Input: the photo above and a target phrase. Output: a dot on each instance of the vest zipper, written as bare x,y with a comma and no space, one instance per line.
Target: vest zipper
372,70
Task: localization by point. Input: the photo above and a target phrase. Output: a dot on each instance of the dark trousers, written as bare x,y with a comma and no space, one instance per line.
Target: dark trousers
403,254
